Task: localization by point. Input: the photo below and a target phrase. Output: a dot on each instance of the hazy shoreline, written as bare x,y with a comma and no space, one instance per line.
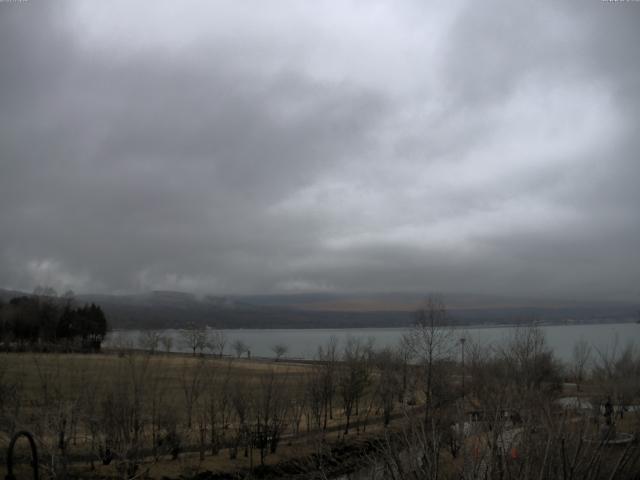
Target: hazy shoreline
408,326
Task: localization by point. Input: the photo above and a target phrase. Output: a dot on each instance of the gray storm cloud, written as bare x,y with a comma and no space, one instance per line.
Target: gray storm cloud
344,146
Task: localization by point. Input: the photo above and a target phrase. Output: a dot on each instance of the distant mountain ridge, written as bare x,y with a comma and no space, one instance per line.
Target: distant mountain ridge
170,309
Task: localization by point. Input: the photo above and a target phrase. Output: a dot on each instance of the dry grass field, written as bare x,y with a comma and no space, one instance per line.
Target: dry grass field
131,414
79,395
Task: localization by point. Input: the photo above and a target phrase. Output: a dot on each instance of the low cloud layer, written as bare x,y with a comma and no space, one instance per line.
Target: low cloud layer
227,147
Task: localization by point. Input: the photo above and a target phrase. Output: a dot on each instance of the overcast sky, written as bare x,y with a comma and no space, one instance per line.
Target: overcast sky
292,146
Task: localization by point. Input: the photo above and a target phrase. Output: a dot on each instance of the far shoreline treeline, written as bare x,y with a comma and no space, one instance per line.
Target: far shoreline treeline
159,310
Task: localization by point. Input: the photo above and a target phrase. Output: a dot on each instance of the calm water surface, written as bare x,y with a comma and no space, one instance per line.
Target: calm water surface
304,343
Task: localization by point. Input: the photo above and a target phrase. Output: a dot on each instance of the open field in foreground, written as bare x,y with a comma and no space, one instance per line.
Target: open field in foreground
400,413
175,414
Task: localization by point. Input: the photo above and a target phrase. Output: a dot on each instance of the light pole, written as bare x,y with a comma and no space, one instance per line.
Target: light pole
462,340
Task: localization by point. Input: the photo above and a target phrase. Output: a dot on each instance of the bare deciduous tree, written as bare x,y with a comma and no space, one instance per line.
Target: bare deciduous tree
194,338
530,359
149,340
279,350
167,343
432,342
217,342
123,418
217,404
580,361
191,381
269,413
389,381
353,377
239,347
328,356
315,394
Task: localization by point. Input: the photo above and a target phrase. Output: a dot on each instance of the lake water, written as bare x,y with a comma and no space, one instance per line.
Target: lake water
304,343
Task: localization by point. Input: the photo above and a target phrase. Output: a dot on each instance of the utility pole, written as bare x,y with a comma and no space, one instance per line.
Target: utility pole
462,340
